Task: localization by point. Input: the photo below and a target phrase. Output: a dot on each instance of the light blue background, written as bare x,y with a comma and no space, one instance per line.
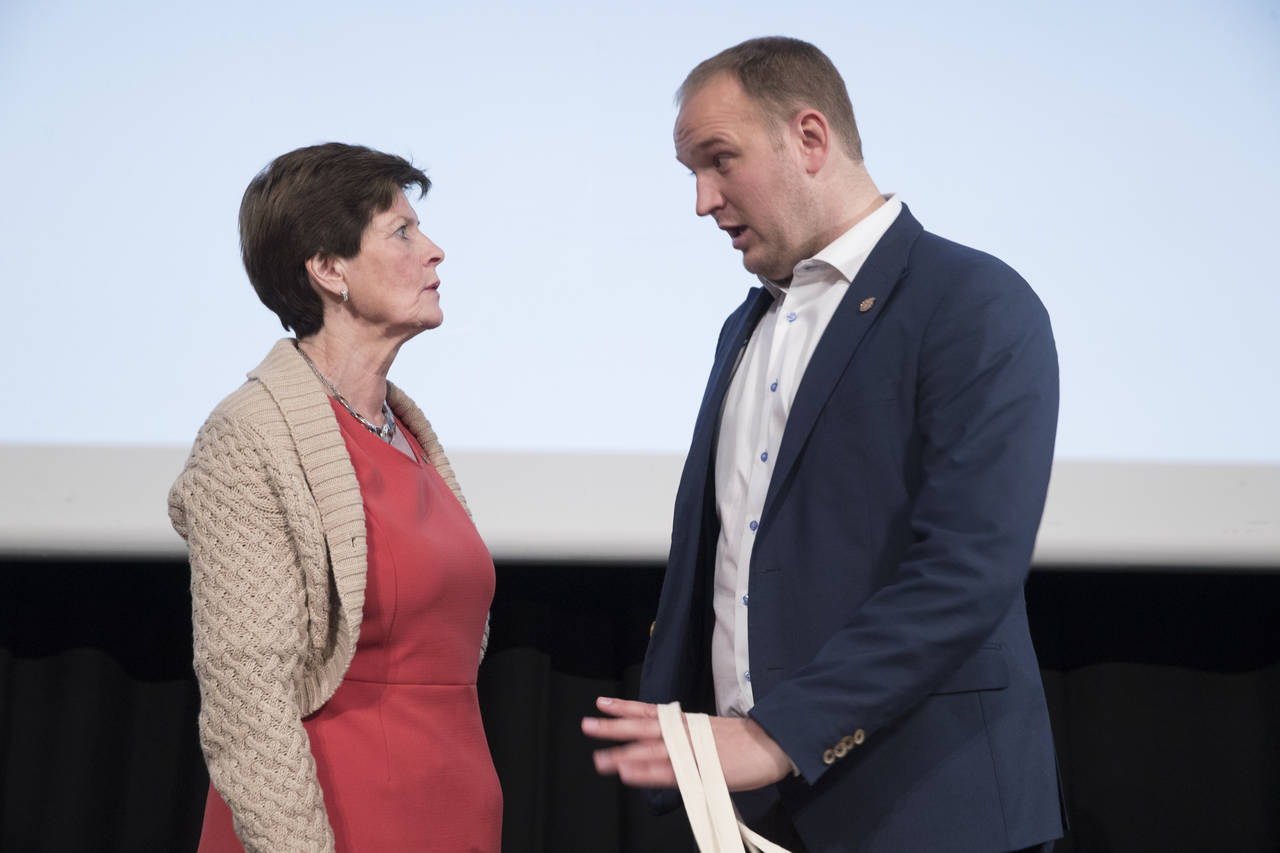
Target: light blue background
1121,155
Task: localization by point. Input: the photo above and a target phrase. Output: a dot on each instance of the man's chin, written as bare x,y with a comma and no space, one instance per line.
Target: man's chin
762,268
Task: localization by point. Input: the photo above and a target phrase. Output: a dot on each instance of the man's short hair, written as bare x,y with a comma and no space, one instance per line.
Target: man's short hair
784,76
314,201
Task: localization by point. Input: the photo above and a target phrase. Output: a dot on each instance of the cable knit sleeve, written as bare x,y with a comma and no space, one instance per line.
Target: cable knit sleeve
250,622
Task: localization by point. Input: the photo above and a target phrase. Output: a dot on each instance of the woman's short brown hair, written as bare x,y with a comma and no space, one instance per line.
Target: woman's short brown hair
314,201
783,75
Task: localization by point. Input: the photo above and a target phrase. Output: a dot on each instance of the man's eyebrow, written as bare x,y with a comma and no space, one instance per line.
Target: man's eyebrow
710,142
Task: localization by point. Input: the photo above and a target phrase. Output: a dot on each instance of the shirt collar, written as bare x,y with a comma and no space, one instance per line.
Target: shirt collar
847,252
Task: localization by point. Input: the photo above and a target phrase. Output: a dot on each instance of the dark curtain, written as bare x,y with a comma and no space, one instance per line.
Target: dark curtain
98,708
1164,691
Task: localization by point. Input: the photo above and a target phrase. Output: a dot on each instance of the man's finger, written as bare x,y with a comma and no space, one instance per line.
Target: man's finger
626,708
609,760
647,774
621,729
638,765
648,750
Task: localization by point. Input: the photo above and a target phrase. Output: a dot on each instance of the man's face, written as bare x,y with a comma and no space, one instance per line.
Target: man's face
750,178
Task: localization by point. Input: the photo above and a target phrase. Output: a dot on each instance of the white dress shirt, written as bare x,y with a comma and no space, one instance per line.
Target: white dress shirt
751,424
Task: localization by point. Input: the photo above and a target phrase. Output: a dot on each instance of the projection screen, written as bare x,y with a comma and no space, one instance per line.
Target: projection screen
1120,155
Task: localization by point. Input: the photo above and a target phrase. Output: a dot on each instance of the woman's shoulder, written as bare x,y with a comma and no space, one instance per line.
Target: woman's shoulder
250,405
252,411
228,450
247,417
234,444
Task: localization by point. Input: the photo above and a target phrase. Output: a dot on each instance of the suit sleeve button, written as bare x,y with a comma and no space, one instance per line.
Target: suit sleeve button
847,742
829,757
841,750
858,737
651,627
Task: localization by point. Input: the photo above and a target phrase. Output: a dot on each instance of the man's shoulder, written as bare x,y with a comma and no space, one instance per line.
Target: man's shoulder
937,254
933,266
940,270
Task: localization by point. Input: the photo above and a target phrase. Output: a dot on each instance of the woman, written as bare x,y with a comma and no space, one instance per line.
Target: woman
339,590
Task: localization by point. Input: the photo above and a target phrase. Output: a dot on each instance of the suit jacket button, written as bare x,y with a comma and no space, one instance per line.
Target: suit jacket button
828,757
858,737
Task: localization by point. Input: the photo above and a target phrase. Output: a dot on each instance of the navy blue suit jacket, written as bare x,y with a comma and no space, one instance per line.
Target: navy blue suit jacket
890,656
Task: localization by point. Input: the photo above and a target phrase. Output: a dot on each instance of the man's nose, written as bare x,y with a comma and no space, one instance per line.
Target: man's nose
708,199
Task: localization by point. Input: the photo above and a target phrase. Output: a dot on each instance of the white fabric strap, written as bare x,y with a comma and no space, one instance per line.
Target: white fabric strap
695,802
716,826
724,820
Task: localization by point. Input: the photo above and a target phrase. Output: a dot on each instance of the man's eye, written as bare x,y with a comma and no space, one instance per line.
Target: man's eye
720,161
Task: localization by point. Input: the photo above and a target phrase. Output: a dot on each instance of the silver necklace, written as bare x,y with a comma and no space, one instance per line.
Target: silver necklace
386,432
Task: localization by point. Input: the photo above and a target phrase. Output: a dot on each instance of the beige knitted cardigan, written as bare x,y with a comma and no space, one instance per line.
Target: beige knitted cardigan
270,508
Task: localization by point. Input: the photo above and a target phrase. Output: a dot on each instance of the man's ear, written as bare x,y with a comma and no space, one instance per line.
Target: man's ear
813,134
327,275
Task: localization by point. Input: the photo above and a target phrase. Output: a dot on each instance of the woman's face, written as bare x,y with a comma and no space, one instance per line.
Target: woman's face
392,282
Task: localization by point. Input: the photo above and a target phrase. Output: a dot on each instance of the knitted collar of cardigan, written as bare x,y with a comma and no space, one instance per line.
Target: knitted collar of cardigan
302,397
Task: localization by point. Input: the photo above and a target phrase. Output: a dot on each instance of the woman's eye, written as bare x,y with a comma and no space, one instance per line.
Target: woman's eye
402,232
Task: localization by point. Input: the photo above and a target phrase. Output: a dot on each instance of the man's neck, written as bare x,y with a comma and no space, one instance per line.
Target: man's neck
850,196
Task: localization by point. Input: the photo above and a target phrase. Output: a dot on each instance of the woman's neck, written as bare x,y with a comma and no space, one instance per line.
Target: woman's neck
358,371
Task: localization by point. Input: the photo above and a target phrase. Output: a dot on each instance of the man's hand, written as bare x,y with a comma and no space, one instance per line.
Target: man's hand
748,756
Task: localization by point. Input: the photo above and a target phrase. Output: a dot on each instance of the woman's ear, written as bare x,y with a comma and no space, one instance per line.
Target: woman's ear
327,276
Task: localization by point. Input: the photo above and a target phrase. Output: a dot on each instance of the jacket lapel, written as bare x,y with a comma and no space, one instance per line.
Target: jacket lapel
875,281
679,639
708,423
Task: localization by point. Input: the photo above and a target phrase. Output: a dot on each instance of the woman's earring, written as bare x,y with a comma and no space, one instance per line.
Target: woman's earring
344,294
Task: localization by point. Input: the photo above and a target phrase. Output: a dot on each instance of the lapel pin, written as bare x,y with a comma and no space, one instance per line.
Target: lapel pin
865,305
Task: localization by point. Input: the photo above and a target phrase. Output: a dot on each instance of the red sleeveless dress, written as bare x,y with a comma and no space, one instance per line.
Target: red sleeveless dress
400,749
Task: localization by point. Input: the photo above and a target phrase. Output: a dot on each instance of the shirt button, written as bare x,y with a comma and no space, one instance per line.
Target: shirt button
774,385
753,525
764,457
745,598
747,675
791,318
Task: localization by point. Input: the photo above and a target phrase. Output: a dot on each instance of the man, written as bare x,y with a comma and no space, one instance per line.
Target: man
857,512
